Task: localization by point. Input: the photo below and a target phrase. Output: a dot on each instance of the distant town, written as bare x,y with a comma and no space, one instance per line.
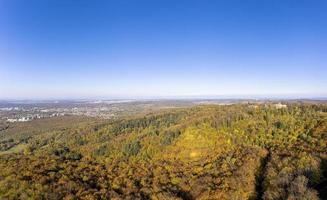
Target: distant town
23,111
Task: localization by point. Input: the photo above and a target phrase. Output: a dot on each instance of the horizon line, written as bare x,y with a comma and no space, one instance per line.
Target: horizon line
173,97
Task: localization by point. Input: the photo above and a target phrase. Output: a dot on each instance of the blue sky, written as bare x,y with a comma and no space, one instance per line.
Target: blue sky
128,48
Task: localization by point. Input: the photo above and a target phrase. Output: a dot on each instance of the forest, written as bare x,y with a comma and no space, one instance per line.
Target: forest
238,152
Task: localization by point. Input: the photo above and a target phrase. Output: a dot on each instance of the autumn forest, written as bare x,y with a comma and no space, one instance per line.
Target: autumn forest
239,151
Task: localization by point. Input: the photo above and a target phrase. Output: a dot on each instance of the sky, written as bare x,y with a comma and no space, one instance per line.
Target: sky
162,48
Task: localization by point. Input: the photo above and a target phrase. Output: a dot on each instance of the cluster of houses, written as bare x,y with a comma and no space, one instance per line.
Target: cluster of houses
22,119
30,117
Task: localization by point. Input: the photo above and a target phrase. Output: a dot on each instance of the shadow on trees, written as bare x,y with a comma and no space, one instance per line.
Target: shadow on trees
322,186
260,177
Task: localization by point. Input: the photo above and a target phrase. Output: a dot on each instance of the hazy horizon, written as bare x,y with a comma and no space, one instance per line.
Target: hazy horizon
128,49
189,97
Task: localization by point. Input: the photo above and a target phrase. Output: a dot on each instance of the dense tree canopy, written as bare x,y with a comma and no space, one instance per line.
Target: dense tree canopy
241,151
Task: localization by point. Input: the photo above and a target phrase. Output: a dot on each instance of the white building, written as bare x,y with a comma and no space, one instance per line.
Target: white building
279,105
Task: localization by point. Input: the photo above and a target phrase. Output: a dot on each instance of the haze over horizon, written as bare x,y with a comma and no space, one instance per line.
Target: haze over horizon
154,98
141,49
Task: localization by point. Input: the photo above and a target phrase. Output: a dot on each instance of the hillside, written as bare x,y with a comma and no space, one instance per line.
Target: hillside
241,151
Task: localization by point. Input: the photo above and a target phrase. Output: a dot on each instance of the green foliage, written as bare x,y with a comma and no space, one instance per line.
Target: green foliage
65,153
132,148
101,151
169,136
